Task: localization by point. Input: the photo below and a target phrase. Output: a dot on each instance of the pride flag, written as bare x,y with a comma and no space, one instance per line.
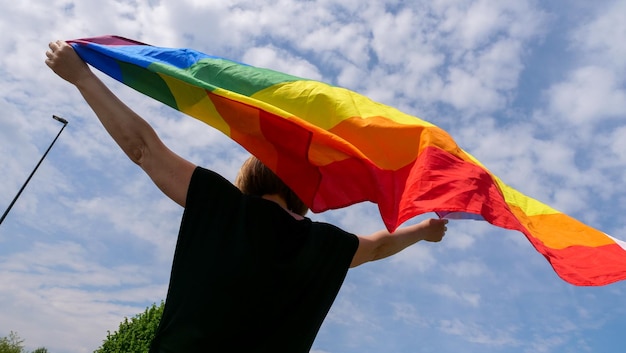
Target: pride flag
335,148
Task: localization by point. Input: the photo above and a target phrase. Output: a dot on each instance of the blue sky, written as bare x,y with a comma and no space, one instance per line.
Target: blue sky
535,90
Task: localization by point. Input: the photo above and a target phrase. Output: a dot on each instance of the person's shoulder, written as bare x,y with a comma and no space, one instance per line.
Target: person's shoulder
327,226
332,230
210,186
202,172
204,175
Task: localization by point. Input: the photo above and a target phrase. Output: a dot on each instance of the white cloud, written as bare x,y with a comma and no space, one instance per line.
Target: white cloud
590,94
58,285
415,258
476,333
472,22
597,40
474,268
281,60
617,144
466,91
545,345
408,314
458,240
448,292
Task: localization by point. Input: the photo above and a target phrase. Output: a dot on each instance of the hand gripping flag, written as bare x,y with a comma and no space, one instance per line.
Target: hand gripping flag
335,148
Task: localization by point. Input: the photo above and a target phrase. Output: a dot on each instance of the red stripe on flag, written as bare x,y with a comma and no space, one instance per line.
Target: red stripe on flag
587,266
436,181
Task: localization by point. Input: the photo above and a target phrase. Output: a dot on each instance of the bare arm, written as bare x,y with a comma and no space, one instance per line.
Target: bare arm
134,135
383,244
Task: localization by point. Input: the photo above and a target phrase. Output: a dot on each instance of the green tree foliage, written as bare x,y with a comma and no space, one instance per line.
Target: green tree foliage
11,344
14,344
134,335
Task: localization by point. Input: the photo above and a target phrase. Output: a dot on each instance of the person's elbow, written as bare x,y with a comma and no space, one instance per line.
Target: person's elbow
369,249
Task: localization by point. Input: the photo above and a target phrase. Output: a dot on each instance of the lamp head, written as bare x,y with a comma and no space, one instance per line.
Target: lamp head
58,118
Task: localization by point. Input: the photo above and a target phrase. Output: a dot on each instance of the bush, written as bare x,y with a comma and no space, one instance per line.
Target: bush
134,335
13,344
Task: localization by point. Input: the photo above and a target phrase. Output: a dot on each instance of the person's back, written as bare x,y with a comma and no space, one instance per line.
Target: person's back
247,275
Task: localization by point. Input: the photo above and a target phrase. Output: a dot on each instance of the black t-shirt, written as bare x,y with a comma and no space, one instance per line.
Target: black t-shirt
247,276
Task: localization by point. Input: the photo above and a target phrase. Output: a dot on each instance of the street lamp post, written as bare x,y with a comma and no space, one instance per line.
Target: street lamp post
64,122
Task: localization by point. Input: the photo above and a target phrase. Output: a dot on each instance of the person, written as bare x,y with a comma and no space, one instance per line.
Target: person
250,272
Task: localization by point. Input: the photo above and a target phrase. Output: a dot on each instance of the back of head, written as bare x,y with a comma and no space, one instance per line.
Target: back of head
256,179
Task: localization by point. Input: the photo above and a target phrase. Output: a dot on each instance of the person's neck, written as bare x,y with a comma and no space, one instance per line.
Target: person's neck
282,203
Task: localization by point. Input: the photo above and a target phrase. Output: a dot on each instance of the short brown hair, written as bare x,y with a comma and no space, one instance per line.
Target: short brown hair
256,179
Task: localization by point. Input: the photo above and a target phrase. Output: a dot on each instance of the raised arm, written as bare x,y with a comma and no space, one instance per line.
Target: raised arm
134,135
384,244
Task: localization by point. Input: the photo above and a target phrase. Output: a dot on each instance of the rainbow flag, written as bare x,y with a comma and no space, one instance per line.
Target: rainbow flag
335,148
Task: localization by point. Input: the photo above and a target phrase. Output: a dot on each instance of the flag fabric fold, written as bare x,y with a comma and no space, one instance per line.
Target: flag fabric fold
335,148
